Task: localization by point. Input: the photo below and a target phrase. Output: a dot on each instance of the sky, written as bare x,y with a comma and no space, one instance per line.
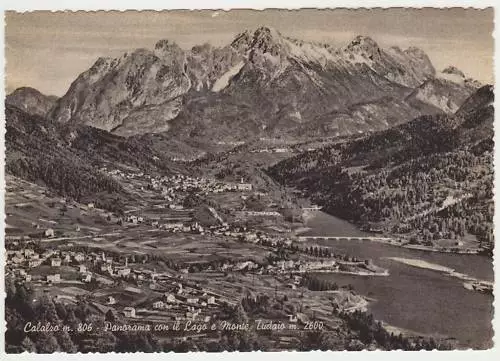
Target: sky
48,50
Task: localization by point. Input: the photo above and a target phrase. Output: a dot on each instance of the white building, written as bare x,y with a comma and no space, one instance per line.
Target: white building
34,263
244,186
281,150
170,298
132,219
158,304
55,278
79,257
192,315
210,300
176,207
18,258
49,232
129,312
123,272
28,252
172,225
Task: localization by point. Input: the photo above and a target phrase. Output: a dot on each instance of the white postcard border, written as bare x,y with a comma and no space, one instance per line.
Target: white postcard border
28,5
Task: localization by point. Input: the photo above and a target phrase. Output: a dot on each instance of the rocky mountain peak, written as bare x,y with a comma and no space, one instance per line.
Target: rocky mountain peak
165,44
417,52
453,70
264,39
364,44
242,41
201,49
267,40
265,32
25,91
102,64
363,40
455,75
165,48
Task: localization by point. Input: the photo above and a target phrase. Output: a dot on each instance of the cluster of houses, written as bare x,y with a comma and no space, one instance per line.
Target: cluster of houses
20,261
28,258
134,219
280,267
174,225
305,266
174,188
178,302
171,186
177,299
258,213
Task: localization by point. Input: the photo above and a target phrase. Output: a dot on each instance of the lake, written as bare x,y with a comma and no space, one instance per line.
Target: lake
421,300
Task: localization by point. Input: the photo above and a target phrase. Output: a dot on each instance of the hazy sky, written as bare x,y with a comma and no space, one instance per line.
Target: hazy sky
47,50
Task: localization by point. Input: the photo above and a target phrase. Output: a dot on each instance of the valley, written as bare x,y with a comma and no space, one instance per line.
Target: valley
182,232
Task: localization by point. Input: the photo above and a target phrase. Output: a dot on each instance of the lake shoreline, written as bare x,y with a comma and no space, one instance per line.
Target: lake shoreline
395,243
384,238
396,299
471,283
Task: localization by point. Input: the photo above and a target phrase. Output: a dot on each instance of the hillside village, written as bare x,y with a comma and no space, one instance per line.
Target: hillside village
98,263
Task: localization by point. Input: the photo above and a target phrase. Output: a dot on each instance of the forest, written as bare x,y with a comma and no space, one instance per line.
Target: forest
68,158
426,180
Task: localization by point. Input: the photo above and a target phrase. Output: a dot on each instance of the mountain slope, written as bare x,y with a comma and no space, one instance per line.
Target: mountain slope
31,101
67,158
429,179
445,92
262,83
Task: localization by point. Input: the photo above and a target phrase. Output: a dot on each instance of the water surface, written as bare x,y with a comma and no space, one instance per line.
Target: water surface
422,300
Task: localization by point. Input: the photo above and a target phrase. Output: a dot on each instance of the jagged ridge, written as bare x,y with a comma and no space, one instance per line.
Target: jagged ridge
262,82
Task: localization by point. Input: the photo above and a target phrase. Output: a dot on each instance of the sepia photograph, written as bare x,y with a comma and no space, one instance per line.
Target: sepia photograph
249,180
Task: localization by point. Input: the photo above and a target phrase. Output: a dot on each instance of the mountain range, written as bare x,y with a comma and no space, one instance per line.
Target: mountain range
261,84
